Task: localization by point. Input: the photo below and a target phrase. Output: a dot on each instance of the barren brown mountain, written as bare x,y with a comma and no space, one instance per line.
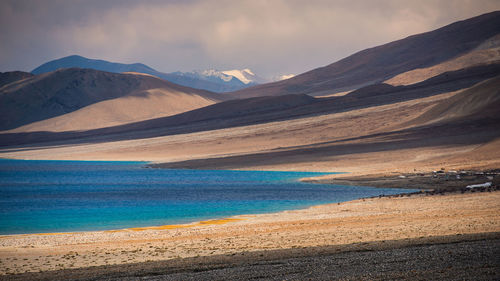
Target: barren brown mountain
486,53
12,76
233,113
375,65
116,99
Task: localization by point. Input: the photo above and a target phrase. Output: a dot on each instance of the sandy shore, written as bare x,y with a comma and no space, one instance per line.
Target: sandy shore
356,222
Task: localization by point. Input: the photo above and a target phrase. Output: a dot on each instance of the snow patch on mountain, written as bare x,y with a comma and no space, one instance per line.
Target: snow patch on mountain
283,77
244,75
215,73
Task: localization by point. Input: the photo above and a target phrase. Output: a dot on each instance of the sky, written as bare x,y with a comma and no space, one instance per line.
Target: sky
271,37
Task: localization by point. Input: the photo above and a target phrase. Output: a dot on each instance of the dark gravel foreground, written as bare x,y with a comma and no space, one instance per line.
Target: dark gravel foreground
455,257
476,260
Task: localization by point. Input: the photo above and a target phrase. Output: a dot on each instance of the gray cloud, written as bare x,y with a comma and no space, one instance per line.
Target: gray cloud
270,37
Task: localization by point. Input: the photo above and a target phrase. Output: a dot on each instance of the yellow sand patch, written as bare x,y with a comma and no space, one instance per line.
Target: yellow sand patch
175,226
221,221
161,227
53,233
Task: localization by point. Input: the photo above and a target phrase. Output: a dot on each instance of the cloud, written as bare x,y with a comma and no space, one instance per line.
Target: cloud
271,37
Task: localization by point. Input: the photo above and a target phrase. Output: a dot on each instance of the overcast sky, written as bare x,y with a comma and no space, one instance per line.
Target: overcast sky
270,37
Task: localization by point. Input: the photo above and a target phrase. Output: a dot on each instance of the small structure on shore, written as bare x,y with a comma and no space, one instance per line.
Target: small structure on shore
485,185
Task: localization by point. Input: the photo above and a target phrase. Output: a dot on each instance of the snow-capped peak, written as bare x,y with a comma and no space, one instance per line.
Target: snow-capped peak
283,77
216,73
245,75
248,71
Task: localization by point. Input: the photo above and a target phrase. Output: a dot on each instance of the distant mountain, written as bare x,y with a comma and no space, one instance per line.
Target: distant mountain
102,65
375,65
210,80
282,77
122,98
228,80
218,81
246,76
12,76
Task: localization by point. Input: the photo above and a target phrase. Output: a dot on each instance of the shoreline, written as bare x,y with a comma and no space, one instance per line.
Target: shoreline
354,222
216,221
182,223
394,180
209,221
365,224
440,181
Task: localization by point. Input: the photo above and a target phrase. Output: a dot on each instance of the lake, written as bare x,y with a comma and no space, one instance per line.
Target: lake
62,196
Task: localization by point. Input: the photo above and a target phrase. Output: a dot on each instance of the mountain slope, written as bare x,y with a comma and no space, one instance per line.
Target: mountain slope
374,139
246,76
480,101
479,56
260,110
380,63
67,90
12,76
457,132
136,107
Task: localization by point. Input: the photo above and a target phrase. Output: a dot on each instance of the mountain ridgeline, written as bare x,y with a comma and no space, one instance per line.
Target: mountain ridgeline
214,81
375,65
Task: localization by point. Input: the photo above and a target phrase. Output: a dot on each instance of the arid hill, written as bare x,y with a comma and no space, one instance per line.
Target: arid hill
477,103
456,131
486,53
375,65
258,110
12,76
115,99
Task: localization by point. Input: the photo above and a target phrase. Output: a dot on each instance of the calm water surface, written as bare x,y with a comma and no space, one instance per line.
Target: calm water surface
54,196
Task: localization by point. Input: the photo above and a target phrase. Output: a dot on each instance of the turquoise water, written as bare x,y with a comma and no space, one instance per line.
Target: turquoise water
59,196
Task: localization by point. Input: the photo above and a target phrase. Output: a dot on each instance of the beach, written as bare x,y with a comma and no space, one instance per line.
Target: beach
364,224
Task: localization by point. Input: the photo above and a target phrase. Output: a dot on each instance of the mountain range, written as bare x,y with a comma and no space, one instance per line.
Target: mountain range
211,80
425,100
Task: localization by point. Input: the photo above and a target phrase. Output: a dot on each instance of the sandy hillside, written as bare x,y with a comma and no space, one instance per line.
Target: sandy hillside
65,91
378,139
476,57
144,105
369,140
244,139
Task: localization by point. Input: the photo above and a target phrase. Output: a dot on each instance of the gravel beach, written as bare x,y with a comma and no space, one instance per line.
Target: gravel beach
371,224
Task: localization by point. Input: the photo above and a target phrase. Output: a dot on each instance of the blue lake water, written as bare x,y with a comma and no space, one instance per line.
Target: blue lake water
59,196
